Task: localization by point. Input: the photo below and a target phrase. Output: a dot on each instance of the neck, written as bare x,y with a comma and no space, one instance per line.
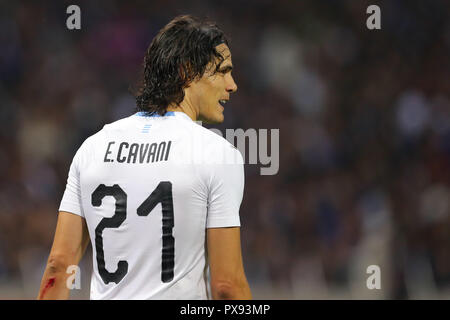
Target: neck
186,108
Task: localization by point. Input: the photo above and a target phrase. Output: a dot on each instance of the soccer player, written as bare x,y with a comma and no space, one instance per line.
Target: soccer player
157,194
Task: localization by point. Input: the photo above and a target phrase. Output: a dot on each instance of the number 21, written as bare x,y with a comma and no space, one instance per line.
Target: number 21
162,194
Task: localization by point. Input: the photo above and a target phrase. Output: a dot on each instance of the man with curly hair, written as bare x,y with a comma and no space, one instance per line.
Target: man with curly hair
157,194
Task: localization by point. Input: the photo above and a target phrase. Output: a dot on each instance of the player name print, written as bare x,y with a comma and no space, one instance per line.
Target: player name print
127,152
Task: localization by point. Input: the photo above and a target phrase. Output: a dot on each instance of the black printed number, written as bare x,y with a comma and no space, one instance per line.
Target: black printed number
162,194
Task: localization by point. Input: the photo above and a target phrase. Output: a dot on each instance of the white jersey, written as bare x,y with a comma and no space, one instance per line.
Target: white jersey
148,188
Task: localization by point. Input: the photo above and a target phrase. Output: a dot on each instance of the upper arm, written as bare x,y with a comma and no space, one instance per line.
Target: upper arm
224,255
71,239
71,200
226,188
223,227
71,236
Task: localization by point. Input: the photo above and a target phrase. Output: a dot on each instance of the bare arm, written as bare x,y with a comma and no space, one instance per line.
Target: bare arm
69,245
228,280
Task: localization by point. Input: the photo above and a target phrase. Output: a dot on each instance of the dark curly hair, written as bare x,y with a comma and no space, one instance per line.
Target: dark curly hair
178,55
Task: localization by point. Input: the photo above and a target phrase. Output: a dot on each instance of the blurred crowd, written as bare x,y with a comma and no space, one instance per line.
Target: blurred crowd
364,119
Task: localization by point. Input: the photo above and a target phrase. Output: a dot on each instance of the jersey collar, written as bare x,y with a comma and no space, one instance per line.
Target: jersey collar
178,114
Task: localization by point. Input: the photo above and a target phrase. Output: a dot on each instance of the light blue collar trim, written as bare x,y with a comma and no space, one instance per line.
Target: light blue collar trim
168,114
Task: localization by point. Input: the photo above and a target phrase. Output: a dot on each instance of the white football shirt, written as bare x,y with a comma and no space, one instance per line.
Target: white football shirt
148,188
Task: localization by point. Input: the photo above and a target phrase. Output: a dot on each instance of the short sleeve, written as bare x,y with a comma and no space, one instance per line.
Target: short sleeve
71,200
225,193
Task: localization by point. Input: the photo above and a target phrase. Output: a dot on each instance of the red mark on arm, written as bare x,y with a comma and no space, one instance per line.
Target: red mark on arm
50,283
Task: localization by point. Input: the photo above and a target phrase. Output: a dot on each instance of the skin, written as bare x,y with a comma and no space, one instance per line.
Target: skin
201,100
228,280
69,244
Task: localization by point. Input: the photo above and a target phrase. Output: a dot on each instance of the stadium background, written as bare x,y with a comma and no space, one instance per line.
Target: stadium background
364,119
